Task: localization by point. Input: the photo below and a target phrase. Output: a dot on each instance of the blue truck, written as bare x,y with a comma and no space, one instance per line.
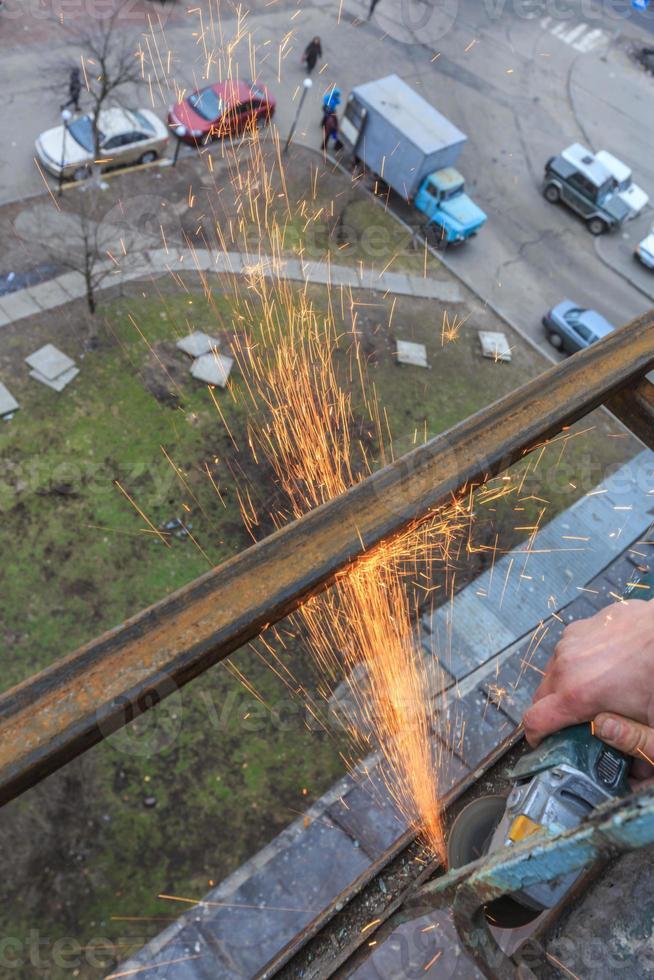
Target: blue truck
398,136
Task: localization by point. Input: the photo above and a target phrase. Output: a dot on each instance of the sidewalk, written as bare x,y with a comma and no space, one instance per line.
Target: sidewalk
497,635
156,262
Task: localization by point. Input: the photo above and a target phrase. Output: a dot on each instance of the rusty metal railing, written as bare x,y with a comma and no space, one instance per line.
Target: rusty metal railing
61,712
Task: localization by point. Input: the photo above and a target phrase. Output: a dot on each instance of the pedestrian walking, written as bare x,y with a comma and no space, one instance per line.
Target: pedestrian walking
312,52
74,90
330,130
373,4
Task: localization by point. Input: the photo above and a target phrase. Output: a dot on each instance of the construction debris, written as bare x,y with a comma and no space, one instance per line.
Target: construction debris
410,353
213,369
198,343
8,403
52,367
494,345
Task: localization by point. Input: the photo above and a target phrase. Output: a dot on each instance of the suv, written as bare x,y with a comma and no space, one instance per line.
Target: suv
587,187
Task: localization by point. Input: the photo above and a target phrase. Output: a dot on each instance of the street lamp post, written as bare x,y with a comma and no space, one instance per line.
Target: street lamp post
66,116
180,133
306,85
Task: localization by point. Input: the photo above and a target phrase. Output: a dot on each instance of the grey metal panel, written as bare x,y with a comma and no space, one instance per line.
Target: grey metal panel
418,120
404,138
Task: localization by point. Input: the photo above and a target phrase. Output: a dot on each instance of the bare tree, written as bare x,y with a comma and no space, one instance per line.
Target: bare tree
79,238
110,61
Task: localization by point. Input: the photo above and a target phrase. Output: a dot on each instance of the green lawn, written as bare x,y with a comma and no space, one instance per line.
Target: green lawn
84,846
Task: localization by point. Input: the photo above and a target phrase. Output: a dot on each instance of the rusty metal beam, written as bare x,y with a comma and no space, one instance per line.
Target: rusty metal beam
635,409
58,714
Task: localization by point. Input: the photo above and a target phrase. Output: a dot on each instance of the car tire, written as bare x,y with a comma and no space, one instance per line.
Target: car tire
82,173
437,235
596,226
552,193
148,157
555,340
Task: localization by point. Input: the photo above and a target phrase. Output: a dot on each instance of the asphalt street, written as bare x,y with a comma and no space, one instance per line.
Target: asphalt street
521,87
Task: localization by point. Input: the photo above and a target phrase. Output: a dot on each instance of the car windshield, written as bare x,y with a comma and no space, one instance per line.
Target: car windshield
573,316
447,195
206,103
608,187
82,132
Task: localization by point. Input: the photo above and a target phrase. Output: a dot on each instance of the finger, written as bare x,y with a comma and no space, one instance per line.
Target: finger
544,688
626,735
641,770
550,714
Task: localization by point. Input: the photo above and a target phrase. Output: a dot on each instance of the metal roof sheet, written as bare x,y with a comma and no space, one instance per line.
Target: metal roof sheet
420,122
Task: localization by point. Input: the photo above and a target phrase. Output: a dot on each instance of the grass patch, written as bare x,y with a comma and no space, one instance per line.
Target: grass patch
109,832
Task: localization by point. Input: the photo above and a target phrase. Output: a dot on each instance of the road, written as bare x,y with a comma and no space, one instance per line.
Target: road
520,87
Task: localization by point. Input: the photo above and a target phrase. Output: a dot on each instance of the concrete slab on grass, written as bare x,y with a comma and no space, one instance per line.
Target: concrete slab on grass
410,353
495,345
8,403
59,383
213,369
49,362
197,343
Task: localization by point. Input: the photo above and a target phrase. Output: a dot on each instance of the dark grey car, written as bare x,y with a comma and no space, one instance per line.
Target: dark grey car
589,194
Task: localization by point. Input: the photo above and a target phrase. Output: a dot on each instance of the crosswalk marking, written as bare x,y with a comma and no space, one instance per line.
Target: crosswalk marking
580,37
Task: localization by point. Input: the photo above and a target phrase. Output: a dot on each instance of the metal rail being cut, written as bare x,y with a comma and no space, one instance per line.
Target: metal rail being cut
64,710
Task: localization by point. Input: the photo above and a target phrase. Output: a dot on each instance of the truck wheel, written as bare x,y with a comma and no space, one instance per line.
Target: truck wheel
596,226
552,194
438,235
555,340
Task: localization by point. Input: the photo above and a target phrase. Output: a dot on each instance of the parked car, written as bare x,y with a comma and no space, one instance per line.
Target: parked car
126,136
571,328
645,250
583,183
633,196
219,110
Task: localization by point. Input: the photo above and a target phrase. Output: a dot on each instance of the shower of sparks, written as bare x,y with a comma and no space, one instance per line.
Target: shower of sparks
316,420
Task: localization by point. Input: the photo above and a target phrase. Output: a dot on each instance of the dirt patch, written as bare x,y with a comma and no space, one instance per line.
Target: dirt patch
164,374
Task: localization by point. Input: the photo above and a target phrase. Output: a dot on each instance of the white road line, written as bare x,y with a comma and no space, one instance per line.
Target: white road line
579,37
572,35
592,40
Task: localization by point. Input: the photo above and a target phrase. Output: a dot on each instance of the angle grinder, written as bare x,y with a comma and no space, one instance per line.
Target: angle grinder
553,789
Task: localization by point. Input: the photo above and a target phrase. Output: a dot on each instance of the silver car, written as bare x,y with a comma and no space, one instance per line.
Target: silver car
126,136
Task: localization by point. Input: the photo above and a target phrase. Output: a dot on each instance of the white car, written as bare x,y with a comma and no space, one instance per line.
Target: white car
633,196
126,136
645,250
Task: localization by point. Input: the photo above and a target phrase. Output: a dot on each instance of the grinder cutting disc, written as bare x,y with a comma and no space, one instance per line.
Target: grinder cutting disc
469,839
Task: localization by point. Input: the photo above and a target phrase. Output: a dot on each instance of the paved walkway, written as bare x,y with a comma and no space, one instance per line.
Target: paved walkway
496,637
156,262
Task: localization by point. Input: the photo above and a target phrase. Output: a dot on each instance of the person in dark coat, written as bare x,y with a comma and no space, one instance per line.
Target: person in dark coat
330,130
312,52
74,89
373,4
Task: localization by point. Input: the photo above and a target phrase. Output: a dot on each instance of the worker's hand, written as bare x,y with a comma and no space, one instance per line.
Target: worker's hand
601,664
632,738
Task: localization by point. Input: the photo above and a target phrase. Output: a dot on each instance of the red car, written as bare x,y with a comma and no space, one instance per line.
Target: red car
223,109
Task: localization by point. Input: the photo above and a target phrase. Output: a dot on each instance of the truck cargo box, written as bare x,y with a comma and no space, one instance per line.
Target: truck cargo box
398,135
